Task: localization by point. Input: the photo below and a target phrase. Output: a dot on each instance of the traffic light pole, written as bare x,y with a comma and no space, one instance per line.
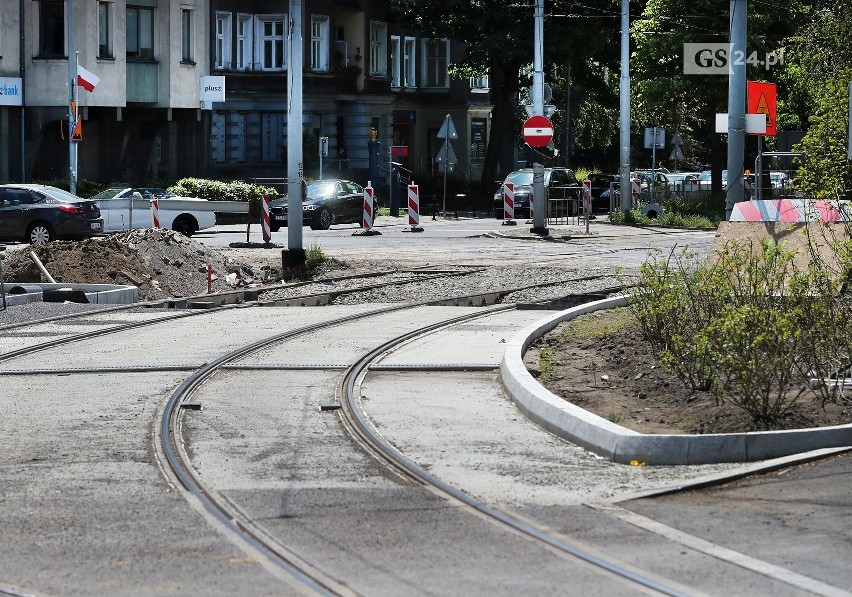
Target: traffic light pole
72,105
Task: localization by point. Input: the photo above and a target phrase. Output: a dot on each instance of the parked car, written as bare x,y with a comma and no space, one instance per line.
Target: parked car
683,182
326,202
39,214
523,185
600,189
186,215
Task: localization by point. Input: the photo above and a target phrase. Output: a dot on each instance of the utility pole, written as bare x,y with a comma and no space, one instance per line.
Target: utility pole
72,109
294,129
736,104
624,101
537,92
568,122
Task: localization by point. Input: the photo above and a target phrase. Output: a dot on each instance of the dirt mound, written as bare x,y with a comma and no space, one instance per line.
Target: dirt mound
162,263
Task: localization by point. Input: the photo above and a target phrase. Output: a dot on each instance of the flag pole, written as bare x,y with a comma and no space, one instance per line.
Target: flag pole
72,154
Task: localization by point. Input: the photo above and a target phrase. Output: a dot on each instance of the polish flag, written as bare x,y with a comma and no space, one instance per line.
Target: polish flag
86,79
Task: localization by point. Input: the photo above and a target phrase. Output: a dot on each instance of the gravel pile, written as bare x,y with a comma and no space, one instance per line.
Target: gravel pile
415,288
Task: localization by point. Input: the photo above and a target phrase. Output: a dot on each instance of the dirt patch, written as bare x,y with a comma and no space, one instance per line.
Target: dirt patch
601,362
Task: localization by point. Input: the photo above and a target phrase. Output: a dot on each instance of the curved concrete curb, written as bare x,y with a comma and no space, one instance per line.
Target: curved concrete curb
624,445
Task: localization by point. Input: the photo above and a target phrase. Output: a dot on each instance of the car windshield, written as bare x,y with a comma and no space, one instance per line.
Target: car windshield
521,178
62,195
108,193
320,189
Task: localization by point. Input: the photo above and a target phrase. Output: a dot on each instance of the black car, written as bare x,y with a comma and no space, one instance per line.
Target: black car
39,214
326,202
601,189
554,178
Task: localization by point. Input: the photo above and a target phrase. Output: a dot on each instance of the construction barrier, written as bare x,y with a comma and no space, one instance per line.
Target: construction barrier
367,219
414,207
508,201
155,212
532,204
635,190
791,210
267,232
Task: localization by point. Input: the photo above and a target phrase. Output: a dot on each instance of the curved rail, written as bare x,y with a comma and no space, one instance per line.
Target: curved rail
359,425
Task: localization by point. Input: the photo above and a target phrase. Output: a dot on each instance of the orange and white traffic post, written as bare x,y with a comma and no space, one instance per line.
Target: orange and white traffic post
414,207
155,212
509,204
267,233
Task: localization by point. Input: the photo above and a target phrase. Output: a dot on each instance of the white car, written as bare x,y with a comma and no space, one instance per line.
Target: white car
186,215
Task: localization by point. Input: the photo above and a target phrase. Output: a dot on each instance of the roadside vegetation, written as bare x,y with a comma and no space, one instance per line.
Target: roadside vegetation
751,325
699,211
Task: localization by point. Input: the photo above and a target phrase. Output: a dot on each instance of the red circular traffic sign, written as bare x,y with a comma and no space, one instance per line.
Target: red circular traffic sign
537,131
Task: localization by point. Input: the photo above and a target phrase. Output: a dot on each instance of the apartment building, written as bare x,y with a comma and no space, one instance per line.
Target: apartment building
363,76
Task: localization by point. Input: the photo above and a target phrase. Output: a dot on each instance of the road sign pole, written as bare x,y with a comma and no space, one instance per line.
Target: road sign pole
624,108
446,164
736,105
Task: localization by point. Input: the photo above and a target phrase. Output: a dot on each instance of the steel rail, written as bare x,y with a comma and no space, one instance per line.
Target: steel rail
363,430
498,293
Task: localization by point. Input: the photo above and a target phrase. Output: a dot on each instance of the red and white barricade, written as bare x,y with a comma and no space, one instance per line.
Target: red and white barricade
508,201
368,216
414,207
635,190
532,205
267,233
155,212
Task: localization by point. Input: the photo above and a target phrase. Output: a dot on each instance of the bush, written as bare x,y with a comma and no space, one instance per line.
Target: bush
216,190
750,326
85,188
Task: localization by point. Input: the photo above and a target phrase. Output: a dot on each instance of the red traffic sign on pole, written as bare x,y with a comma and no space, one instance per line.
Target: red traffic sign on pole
537,131
761,99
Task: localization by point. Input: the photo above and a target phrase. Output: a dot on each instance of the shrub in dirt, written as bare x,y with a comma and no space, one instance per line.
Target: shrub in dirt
749,325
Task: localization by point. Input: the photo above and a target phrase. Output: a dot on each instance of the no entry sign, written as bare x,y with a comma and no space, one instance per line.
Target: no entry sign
537,131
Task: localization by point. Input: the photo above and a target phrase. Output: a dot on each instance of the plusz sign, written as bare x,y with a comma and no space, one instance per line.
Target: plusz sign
212,89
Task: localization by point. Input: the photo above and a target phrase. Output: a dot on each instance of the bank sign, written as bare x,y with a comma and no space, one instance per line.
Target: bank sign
212,89
11,91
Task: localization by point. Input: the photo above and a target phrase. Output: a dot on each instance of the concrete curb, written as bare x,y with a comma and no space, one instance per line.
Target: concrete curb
98,294
625,446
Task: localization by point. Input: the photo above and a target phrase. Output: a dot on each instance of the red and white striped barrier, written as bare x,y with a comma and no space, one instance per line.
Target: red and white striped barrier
414,207
587,197
635,190
267,232
508,201
367,218
532,204
791,210
155,212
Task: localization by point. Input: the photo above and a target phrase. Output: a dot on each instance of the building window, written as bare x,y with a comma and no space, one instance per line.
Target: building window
378,49
396,61
270,42
104,24
319,43
140,33
479,84
436,54
51,28
223,40
186,35
408,63
244,43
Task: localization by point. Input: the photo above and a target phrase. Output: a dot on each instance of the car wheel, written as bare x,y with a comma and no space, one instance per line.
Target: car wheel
185,225
322,221
274,227
39,233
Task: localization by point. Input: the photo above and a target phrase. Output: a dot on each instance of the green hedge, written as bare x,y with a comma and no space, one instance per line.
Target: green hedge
217,190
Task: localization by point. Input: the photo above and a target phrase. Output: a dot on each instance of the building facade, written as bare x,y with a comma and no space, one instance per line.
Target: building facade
363,75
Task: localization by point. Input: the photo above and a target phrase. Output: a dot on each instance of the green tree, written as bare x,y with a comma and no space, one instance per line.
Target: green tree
499,41
663,95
